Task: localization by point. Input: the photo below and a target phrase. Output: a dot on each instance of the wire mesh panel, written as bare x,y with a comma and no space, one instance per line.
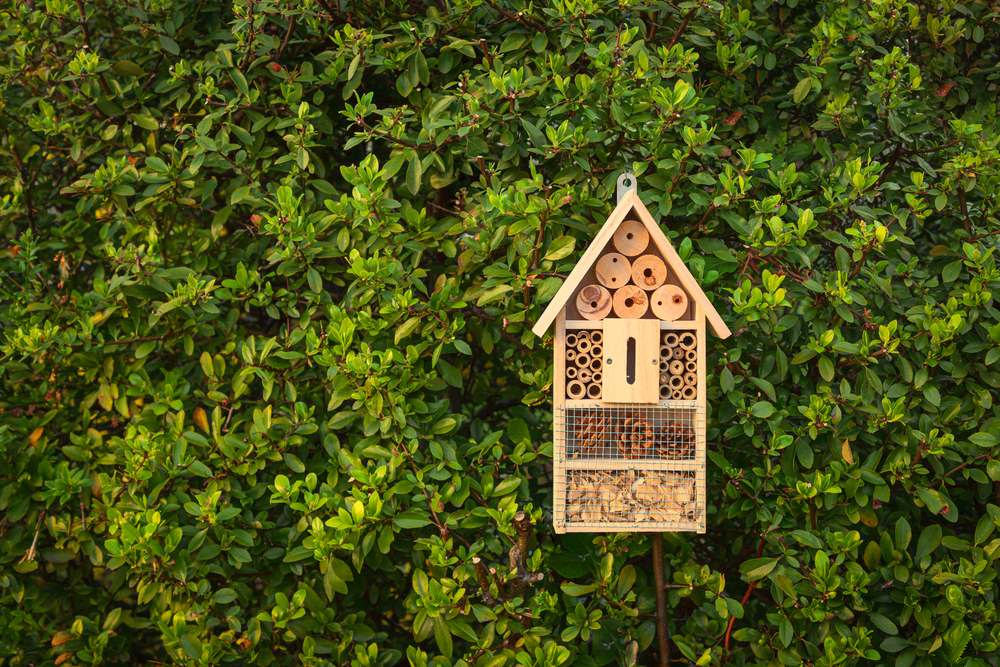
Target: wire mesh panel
630,467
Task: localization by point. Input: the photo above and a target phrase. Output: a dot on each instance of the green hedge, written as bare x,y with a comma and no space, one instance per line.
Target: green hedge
268,269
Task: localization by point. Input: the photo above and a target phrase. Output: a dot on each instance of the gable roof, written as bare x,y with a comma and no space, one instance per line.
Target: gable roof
630,202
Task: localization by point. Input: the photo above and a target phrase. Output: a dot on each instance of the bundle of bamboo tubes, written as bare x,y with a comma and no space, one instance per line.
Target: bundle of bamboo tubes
584,365
615,496
679,366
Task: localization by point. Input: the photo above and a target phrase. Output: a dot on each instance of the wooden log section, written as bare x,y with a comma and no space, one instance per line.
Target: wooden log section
575,390
571,354
582,360
649,272
571,372
691,355
596,351
630,303
689,393
669,302
676,395
613,270
593,302
596,364
596,337
571,340
678,354
595,391
669,340
690,379
691,366
688,341
676,367
676,382
631,238
585,375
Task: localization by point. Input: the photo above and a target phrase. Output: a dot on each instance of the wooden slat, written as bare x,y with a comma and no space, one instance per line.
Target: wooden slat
645,387
677,326
680,270
559,436
700,440
598,465
675,405
587,324
589,258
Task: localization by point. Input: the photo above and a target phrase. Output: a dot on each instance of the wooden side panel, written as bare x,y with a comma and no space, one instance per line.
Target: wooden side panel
559,436
644,387
700,440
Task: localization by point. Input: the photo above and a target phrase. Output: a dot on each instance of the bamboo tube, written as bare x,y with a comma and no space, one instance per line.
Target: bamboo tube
583,360
664,378
649,272
597,378
596,364
678,354
630,303
585,375
613,270
631,238
670,340
595,391
571,372
669,302
690,393
666,352
691,355
571,354
571,340
583,336
691,367
597,351
583,345
676,367
676,382
676,395
593,302
596,337
688,341
663,365
575,390
690,379
664,392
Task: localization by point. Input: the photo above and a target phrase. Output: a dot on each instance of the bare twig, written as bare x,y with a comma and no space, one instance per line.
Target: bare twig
661,600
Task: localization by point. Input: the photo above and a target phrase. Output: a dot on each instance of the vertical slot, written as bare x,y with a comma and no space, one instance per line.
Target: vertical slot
630,361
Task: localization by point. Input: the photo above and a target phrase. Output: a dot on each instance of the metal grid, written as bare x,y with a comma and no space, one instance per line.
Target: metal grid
632,432
634,498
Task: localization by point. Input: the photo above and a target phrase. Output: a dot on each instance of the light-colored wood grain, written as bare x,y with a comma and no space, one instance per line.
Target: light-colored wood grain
676,326
594,302
644,387
631,238
631,303
669,302
613,270
677,266
574,325
649,272
589,258
701,444
559,438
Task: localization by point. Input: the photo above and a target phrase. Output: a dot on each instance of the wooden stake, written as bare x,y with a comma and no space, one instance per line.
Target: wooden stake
649,272
613,270
593,302
630,303
631,238
669,303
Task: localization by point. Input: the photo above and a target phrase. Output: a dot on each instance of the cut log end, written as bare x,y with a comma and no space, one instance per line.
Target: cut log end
630,303
669,303
613,270
594,302
631,238
649,272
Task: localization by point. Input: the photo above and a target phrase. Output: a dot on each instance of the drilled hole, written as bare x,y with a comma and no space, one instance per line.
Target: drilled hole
647,273
614,280
629,236
593,304
677,299
629,303
659,303
614,260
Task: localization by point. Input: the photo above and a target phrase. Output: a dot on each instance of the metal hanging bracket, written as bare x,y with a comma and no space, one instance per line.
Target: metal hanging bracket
626,183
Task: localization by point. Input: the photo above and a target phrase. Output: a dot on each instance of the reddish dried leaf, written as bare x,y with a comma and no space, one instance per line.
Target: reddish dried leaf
732,118
943,89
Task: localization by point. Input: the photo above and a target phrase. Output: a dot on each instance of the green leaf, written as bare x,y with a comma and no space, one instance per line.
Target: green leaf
224,596
411,519
534,134
414,174
560,247
757,568
128,68
762,410
577,590
883,623
801,90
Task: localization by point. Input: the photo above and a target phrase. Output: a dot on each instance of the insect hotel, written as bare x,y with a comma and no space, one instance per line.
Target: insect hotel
629,382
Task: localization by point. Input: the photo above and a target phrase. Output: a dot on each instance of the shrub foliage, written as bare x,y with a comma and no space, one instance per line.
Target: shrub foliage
268,271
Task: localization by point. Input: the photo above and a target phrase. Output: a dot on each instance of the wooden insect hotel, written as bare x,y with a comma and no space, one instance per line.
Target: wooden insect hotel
629,382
